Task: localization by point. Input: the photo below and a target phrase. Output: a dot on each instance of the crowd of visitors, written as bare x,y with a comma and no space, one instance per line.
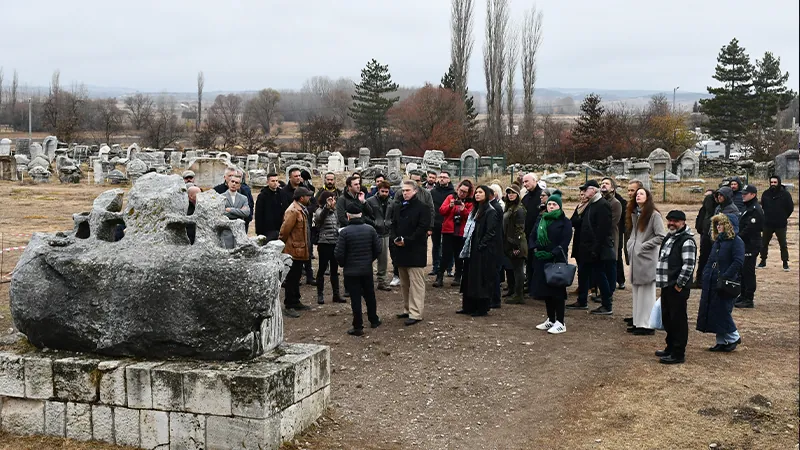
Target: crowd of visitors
483,235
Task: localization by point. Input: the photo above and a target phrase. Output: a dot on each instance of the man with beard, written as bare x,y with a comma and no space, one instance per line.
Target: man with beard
531,201
382,207
736,186
287,197
430,182
778,205
750,225
295,234
676,261
440,192
269,212
329,185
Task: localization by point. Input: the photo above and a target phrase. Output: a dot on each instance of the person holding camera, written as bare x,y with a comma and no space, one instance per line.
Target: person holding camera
454,212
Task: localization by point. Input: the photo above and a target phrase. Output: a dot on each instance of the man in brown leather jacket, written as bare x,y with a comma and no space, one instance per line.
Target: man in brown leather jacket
295,234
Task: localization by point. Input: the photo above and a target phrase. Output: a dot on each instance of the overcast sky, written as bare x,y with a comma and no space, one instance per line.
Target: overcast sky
160,45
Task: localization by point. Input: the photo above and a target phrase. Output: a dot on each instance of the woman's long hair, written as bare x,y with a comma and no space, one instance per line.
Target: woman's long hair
480,207
647,211
721,219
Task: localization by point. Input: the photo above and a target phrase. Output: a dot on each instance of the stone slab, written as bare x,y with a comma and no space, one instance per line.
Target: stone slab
187,431
261,390
301,415
12,375
241,433
112,383
79,421
207,392
76,380
138,384
153,428
38,377
22,416
102,423
126,426
55,419
167,386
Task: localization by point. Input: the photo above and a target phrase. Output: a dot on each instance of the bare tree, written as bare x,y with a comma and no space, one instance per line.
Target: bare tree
201,82
225,117
1,89
52,107
162,127
140,110
531,37
494,70
262,108
512,57
107,118
461,40
14,87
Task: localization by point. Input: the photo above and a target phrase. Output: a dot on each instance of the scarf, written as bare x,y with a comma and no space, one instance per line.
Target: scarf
468,229
541,233
582,207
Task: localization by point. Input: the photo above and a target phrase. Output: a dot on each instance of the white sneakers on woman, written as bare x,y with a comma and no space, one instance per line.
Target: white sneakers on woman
557,328
544,325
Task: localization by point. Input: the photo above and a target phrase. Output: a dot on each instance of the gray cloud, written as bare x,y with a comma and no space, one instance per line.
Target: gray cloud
160,45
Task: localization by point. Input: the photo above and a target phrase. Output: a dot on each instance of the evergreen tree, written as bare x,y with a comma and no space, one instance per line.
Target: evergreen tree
730,111
769,89
695,107
588,130
449,81
370,103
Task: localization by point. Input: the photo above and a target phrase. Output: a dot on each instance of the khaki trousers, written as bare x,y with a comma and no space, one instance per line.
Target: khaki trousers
412,285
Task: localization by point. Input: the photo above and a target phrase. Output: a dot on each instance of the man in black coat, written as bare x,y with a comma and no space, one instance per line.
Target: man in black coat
357,247
736,186
623,241
495,203
269,212
440,192
778,205
750,225
596,249
353,195
244,189
409,240
703,227
531,202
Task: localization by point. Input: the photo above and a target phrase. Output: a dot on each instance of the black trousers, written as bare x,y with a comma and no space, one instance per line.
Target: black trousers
451,248
675,319
292,284
326,258
749,276
468,303
620,266
705,249
358,286
555,309
529,272
766,237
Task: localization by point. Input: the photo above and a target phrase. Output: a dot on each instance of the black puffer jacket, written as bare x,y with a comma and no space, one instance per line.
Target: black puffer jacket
357,247
438,194
778,205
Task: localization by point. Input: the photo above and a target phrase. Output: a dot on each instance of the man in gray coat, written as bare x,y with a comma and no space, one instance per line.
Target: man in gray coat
382,207
236,207
608,187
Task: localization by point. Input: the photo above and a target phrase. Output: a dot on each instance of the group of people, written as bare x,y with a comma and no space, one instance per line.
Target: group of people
482,235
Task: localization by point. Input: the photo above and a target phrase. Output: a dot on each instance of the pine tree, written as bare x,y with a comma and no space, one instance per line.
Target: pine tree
589,127
730,111
769,89
370,103
449,81
695,107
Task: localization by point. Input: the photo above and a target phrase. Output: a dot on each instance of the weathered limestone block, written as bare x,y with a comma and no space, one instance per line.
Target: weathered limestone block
138,383
79,421
102,423
261,390
55,419
167,386
76,380
126,426
12,375
38,377
187,431
301,415
206,392
22,416
154,428
152,294
112,383
239,432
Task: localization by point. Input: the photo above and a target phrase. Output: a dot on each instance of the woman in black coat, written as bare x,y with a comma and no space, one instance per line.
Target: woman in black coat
549,242
725,261
482,247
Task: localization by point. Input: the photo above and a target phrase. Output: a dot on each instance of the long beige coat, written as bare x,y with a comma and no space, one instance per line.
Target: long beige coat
643,247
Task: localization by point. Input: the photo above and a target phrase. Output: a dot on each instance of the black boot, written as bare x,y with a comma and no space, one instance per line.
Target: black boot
320,298
456,280
335,287
439,280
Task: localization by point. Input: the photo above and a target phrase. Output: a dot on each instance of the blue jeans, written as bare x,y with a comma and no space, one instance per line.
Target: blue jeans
595,274
727,338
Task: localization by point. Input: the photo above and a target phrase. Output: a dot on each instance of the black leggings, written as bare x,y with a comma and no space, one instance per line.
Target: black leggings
326,257
555,309
451,249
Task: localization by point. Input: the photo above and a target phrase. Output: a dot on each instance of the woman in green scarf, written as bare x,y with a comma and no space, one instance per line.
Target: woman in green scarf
550,243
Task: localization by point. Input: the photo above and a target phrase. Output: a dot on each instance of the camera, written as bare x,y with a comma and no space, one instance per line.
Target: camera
457,220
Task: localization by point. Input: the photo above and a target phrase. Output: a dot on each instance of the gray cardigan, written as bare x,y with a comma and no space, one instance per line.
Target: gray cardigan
643,247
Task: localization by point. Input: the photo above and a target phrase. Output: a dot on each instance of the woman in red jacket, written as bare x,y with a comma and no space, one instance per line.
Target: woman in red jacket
455,209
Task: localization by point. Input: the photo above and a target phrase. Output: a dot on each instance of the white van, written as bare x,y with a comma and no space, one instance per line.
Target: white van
714,149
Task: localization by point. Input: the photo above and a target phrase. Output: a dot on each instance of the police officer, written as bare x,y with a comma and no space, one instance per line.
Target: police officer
751,222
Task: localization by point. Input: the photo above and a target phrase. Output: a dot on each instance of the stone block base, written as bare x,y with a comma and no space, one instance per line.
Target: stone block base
166,404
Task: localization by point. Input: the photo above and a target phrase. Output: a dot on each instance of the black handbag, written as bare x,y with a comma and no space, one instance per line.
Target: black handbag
728,288
560,274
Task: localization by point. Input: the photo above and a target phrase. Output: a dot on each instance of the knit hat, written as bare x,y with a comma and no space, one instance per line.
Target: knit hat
353,208
556,197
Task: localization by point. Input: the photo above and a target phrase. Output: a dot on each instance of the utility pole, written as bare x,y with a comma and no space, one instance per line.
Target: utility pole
30,102
673,98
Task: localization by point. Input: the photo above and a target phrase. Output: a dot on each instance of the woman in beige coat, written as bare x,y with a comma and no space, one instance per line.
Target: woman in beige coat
646,228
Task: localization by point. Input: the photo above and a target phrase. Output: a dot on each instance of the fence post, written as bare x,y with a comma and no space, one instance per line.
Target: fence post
586,177
664,199
512,174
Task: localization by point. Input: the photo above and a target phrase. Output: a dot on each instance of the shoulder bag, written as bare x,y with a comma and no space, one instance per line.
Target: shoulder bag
560,274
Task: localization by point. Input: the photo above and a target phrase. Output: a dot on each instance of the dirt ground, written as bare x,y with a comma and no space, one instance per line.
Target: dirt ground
454,382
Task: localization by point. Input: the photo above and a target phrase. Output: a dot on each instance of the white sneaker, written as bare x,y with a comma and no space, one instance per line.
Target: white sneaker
395,282
544,325
557,328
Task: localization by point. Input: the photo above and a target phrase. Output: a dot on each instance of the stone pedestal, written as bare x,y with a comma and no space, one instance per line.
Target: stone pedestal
256,404
363,157
641,171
